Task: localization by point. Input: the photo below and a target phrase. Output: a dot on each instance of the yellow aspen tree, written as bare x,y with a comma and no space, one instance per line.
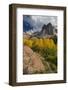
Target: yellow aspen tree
40,43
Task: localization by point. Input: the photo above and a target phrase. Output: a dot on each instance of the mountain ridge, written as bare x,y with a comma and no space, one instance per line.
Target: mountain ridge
47,30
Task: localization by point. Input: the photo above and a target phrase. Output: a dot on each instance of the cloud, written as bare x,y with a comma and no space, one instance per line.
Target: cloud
45,19
37,22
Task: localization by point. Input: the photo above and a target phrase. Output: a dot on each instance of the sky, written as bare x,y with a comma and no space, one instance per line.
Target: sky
34,23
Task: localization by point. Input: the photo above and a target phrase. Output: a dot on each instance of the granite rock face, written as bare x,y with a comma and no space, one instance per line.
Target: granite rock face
45,31
32,62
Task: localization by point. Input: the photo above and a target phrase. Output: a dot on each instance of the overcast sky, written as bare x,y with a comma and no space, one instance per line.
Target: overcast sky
37,22
45,19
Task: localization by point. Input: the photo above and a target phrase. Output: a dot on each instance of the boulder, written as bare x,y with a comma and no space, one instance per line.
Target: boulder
32,62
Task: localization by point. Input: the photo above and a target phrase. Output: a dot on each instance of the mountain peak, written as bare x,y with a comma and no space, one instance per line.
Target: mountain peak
49,24
46,30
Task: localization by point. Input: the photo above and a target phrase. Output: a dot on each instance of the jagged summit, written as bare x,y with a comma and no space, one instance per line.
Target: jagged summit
45,31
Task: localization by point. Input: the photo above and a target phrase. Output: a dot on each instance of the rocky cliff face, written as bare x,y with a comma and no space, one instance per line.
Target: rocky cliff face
46,30
32,62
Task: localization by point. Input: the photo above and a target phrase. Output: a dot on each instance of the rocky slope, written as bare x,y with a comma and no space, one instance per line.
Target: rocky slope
32,62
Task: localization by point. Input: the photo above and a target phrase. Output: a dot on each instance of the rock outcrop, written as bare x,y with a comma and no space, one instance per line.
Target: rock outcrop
46,30
32,62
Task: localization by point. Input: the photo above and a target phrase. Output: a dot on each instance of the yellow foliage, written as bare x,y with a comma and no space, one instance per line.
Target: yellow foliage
28,42
41,43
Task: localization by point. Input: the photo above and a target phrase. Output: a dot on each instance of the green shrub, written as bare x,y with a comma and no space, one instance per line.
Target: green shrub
52,59
50,55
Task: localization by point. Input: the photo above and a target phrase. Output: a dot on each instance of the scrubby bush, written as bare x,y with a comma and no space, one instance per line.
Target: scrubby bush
50,55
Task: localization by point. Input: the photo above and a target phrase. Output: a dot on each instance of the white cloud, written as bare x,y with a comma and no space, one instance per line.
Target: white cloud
45,20
38,21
